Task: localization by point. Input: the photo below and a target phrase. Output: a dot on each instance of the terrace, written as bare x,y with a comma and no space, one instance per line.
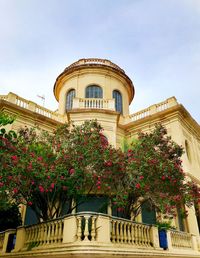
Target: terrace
95,234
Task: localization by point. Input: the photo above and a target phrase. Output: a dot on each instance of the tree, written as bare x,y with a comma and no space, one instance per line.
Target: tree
9,212
154,174
46,171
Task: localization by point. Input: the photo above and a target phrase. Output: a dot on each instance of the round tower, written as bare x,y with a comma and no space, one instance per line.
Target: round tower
94,84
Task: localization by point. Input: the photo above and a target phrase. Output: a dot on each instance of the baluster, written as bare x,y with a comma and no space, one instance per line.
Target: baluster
136,234
113,233
142,235
132,234
48,232
93,229
139,235
86,231
145,235
121,232
60,231
27,237
56,223
117,231
128,233
45,234
148,237
41,239
52,231
38,234
79,229
125,233
32,234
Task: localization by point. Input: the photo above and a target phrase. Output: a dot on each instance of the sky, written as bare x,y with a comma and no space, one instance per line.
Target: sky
156,42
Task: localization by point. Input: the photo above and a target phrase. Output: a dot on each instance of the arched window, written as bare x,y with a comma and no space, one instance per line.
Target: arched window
118,100
69,101
94,91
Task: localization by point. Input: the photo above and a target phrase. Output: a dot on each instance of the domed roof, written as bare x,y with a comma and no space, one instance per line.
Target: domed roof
85,63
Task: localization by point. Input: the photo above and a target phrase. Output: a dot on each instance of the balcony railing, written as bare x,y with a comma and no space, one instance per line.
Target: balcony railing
29,105
97,233
154,109
94,103
95,61
181,239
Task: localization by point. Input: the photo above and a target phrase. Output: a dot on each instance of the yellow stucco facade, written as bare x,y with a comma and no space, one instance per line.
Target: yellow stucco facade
99,89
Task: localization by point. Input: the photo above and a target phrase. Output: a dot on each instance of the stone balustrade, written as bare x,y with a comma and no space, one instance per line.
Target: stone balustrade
96,229
170,102
86,227
26,104
4,97
44,234
99,61
94,103
127,232
181,239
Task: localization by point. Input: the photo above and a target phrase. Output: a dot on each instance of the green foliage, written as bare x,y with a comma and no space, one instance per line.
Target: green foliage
155,174
47,170
5,119
165,225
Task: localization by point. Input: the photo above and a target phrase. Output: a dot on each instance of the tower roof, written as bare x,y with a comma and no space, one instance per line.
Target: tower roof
86,63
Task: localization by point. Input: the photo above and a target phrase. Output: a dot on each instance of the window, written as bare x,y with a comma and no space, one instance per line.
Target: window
92,203
94,91
148,213
70,95
118,100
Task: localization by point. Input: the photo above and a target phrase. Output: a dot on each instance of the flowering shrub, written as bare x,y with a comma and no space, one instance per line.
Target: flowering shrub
48,170
154,174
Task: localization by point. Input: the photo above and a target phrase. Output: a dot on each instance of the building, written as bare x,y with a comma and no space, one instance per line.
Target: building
99,89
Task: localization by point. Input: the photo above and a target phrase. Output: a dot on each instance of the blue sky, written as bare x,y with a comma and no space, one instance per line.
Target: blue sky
157,43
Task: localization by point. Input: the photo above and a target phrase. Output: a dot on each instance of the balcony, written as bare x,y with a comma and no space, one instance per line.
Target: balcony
94,103
156,108
29,105
95,234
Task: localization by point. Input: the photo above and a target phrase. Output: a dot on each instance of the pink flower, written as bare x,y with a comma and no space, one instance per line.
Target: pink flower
41,188
1,184
141,177
98,183
32,154
62,177
29,203
14,158
108,163
52,185
48,177
137,186
32,182
163,177
72,171
15,190
98,187
39,158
